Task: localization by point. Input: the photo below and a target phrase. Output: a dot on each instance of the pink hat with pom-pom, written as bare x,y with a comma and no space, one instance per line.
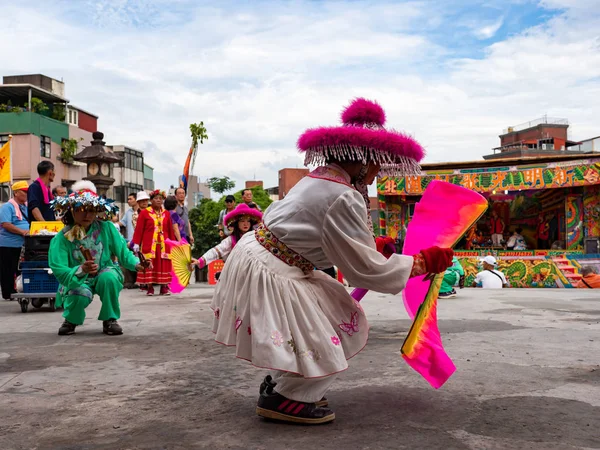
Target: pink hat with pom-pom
362,137
243,211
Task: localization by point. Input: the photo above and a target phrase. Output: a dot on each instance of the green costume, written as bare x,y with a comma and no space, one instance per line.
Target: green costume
451,276
76,288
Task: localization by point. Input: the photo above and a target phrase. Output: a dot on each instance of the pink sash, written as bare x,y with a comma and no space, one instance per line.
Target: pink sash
45,191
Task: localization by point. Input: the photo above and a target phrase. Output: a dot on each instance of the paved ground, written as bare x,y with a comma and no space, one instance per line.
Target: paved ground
528,378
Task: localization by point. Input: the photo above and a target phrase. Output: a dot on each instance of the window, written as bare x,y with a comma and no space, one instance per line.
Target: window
148,184
70,116
133,160
45,143
75,118
122,192
4,193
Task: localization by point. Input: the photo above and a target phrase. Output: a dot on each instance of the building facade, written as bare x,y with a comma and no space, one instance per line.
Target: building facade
288,179
128,174
34,110
148,177
196,191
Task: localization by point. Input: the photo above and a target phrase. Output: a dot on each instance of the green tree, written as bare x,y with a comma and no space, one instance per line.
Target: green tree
259,196
204,219
37,105
220,185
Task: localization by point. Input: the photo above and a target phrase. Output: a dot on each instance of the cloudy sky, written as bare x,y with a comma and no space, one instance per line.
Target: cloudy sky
453,73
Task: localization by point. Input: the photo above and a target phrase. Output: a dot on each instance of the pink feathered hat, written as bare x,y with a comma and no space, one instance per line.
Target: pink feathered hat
243,211
362,137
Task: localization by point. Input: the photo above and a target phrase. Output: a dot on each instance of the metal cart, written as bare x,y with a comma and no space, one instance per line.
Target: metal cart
39,285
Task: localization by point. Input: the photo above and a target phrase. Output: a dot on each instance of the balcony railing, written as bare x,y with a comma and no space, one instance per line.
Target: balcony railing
545,120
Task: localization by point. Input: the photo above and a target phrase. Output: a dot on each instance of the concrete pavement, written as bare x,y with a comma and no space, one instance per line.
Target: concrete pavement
528,378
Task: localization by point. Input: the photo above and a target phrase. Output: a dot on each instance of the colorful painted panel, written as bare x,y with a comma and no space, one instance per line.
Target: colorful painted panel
520,273
574,218
591,211
510,178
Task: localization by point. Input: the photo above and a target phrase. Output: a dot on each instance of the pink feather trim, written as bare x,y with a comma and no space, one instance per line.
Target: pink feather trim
363,112
391,142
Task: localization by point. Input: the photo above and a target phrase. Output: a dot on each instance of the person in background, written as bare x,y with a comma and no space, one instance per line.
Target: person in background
516,241
115,221
59,191
490,277
143,200
247,199
455,274
224,230
13,228
178,225
543,233
590,280
496,229
39,194
127,219
183,212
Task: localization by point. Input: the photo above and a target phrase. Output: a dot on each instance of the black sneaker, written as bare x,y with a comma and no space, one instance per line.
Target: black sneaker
111,327
276,407
448,294
268,384
66,329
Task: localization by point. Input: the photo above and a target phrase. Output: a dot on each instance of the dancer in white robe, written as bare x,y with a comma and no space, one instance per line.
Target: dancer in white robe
278,311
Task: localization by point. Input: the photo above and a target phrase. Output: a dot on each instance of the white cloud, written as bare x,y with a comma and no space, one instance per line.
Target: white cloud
488,31
258,77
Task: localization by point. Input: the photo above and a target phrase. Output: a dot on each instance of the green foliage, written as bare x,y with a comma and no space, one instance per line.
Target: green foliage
8,107
259,196
37,105
220,185
204,219
69,149
198,133
59,112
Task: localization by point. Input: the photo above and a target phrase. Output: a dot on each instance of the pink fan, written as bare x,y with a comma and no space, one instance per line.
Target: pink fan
423,349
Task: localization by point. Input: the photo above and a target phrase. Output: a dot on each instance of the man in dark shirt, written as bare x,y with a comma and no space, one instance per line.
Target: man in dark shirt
39,194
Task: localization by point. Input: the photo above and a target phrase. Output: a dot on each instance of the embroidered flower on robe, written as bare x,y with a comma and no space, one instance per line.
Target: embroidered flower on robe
277,338
250,331
238,323
335,340
217,313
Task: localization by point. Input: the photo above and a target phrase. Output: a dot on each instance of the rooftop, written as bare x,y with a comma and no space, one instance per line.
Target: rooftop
545,120
506,161
21,91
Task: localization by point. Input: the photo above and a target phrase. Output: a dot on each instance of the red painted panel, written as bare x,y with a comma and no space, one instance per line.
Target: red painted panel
87,122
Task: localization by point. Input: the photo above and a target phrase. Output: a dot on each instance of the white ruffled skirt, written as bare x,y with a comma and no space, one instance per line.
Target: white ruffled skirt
280,318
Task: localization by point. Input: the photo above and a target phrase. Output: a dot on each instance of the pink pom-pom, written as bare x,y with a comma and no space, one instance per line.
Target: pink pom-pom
362,111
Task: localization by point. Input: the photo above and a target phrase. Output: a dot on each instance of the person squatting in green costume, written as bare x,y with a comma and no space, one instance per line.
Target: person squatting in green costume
455,274
79,277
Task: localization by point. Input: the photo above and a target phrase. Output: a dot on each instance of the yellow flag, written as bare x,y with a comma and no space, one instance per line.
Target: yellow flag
5,163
